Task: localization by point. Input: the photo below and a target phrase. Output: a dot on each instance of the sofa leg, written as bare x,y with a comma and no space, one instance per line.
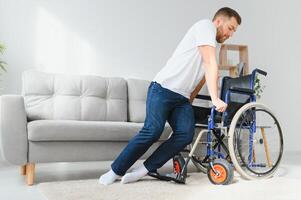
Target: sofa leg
23,170
30,172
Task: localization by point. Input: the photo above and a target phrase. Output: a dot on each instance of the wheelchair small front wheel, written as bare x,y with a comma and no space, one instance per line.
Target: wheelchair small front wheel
222,172
255,141
179,164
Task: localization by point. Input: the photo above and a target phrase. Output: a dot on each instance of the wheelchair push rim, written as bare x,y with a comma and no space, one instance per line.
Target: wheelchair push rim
247,168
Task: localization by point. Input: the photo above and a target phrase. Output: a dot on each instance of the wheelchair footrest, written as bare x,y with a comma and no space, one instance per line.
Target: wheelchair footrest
178,178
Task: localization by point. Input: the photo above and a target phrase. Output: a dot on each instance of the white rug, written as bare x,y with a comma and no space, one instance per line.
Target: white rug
197,187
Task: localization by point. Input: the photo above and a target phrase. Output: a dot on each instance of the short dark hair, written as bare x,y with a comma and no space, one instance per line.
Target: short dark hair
228,12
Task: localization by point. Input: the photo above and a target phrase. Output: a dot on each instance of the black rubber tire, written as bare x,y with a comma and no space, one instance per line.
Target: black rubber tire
181,162
228,169
232,150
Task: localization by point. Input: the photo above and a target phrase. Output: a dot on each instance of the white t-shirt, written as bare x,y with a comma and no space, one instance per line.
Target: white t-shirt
183,71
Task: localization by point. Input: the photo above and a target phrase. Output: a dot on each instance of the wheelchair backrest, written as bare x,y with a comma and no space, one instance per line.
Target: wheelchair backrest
245,82
235,100
242,92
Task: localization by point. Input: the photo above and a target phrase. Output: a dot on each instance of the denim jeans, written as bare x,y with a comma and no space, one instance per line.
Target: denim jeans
161,105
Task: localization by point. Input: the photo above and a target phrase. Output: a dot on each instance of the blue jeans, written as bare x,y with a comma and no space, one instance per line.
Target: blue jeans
161,105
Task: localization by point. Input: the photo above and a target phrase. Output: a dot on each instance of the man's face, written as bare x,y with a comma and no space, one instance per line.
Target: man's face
225,29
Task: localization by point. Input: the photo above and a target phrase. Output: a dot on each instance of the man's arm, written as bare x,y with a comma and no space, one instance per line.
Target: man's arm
211,73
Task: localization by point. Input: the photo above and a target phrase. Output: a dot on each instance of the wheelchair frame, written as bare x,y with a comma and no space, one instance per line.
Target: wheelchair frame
221,132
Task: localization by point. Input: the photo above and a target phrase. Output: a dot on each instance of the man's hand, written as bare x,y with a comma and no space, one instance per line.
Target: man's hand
220,106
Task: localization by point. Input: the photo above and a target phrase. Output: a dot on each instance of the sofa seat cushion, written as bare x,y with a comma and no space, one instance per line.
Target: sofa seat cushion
71,130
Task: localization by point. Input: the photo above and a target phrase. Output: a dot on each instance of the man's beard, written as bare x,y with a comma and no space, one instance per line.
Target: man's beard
219,35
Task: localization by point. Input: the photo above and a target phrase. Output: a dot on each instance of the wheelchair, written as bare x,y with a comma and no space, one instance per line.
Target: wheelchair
247,137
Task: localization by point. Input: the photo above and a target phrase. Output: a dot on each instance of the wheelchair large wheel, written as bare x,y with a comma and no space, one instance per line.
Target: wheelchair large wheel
255,141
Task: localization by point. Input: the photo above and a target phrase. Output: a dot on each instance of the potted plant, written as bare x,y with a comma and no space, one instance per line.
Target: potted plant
2,63
258,87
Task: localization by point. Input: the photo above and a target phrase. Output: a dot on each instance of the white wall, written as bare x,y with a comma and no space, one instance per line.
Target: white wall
135,38
272,31
112,38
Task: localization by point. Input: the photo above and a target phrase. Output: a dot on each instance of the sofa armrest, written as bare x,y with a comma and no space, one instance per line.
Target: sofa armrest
13,129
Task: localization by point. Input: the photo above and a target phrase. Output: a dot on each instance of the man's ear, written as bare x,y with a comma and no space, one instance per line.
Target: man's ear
221,20
218,21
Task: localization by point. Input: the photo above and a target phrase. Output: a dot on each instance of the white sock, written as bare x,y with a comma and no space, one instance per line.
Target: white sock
135,175
108,178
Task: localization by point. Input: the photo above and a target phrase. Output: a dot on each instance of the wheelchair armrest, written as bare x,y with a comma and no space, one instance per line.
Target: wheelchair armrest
204,97
242,90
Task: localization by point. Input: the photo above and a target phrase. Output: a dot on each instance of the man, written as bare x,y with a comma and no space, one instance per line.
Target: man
168,97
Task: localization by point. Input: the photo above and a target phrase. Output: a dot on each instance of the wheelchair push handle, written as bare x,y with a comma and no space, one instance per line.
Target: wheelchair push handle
260,71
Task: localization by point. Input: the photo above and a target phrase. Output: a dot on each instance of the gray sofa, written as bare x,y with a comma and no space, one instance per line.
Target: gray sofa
71,118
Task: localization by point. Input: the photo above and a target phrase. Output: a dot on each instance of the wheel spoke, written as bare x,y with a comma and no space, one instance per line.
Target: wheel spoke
255,141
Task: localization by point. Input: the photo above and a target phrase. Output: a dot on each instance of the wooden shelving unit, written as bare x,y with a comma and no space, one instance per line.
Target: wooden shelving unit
224,65
243,57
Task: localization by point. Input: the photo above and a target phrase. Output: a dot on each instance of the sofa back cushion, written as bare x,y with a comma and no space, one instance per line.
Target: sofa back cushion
74,97
137,92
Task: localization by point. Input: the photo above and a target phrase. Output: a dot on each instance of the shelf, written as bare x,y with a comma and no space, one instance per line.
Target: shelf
234,47
227,67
